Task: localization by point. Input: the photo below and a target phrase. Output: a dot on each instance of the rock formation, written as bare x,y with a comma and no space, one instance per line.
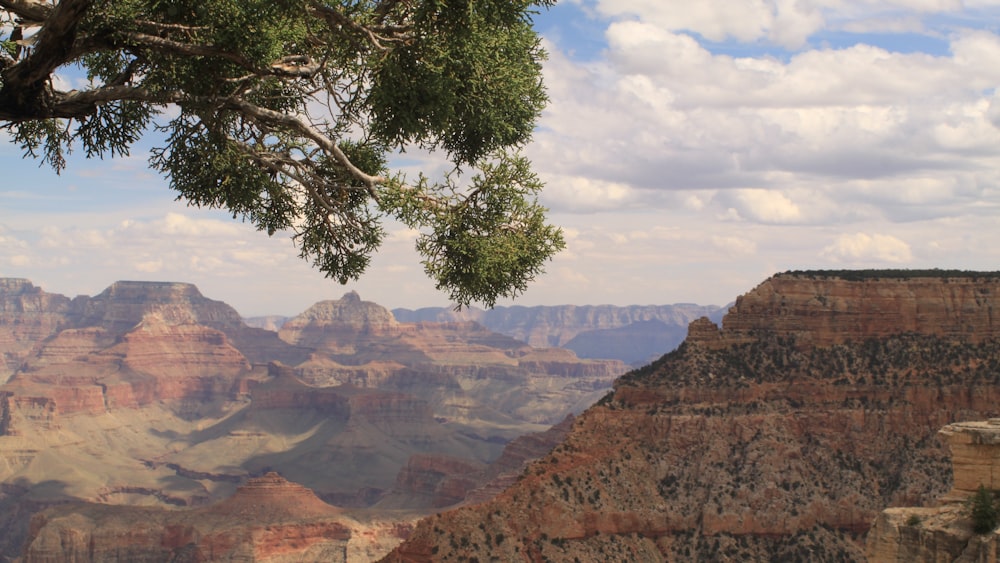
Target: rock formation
151,394
821,310
779,437
268,519
944,532
635,334
438,481
27,316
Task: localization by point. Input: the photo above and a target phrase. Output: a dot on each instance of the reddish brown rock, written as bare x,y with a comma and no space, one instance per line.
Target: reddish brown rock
27,316
268,517
335,325
80,372
780,438
821,310
944,532
438,480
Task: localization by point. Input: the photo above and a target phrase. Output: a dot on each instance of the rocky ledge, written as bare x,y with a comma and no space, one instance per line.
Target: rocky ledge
268,519
944,532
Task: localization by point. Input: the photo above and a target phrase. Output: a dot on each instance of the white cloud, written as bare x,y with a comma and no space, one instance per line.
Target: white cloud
681,169
583,194
149,266
178,224
734,246
767,206
784,22
862,248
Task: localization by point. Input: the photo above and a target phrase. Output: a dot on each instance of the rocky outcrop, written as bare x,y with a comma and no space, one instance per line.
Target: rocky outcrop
822,309
780,437
268,519
124,304
631,334
27,316
944,532
975,456
438,481
334,325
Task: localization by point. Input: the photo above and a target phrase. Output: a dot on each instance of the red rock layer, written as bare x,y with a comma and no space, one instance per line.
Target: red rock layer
27,315
821,311
267,517
443,480
779,438
156,361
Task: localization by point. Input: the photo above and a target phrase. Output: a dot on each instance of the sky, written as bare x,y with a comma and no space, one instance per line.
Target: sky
689,150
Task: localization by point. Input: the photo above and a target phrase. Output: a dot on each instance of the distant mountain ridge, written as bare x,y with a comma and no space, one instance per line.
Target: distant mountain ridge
634,334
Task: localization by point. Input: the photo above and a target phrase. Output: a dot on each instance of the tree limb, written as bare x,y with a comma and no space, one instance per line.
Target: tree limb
28,10
53,47
296,124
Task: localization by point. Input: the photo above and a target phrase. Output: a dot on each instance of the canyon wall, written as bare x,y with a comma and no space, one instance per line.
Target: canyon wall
269,519
821,311
151,394
634,334
944,531
780,436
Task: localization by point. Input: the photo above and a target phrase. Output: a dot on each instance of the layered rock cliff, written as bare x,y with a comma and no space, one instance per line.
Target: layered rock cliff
268,519
27,316
151,394
821,310
944,532
634,334
475,379
779,437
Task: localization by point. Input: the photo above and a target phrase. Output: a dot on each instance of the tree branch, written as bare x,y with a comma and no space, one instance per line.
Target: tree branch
53,47
375,35
28,10
294,123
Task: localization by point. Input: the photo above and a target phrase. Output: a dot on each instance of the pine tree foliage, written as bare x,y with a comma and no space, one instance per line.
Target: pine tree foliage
284,112
983,510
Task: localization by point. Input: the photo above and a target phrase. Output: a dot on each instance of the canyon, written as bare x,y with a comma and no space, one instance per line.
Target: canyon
944,531
810,414
636,334
782,435
154,397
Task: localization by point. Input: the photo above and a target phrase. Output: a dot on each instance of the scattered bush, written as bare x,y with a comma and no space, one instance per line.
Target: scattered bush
983,511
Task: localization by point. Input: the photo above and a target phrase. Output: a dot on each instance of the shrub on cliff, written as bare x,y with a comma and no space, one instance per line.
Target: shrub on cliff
983,510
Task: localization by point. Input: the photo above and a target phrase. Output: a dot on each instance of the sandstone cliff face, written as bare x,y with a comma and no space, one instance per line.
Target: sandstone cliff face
27,315
780,437
821,311
944,532
268,519
335,325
